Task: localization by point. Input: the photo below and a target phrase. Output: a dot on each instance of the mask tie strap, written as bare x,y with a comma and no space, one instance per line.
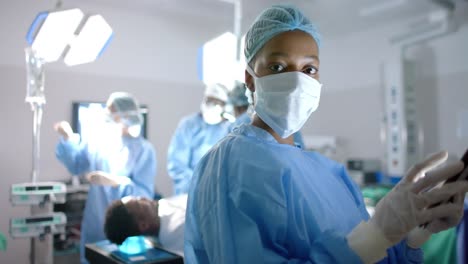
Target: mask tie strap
250,70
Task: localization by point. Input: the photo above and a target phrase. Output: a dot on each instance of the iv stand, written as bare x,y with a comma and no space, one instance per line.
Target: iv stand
41,248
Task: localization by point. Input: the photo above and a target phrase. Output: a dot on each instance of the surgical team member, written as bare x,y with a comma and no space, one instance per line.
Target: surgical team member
195,135
239,99
257,198
117,164
241,105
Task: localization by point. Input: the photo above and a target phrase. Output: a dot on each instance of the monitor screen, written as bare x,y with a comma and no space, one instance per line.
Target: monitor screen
88,118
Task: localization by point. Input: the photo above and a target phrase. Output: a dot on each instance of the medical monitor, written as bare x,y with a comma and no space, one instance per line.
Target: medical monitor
88,118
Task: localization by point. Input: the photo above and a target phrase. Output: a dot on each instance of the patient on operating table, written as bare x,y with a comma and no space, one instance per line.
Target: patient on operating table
134,216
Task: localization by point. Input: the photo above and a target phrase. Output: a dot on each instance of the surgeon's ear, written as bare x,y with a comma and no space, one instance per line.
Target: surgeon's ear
249,81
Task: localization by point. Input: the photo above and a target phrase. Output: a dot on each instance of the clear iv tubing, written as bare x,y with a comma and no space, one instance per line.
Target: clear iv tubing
37,112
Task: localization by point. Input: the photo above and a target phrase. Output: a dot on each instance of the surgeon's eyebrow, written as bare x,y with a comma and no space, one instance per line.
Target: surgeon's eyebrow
278,54
283,54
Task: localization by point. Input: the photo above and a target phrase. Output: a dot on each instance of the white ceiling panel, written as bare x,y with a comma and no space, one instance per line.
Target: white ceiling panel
335,17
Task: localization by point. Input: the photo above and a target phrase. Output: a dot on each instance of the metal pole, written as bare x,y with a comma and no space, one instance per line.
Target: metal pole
37,121
237,26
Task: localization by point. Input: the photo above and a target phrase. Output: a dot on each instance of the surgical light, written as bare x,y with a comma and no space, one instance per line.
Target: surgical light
69,33
54,32
218,62
90,42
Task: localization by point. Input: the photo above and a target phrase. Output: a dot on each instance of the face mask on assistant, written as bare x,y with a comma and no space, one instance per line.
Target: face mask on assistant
212,113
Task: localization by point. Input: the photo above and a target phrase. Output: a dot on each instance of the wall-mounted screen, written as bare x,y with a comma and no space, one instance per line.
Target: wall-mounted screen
88,118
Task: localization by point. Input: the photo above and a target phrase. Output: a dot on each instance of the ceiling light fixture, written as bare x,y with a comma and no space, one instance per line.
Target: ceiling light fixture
70,34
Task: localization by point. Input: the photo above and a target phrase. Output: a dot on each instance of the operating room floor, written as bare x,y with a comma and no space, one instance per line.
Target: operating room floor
67,259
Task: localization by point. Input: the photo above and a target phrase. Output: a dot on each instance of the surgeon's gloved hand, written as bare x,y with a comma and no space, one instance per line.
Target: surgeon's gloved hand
406,207
457,205
106,179
419,235
64,129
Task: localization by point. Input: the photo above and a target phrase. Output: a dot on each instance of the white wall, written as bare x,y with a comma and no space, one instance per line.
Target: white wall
152,57
351,106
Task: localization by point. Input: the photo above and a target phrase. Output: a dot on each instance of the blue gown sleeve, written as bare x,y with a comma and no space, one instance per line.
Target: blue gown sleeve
143,174
73,154
401,252
179,157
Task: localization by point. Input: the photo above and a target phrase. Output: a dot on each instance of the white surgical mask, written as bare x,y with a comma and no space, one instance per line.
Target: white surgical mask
284,101
134,130
212,113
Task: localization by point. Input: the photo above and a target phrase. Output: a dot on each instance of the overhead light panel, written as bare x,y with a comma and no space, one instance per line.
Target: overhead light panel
218,62
69,33
90,42
51,32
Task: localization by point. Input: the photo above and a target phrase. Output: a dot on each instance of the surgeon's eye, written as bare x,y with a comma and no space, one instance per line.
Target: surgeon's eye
277,68
310,70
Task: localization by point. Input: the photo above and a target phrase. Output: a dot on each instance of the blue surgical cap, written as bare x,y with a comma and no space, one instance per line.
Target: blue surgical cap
126,106
273,21
237,95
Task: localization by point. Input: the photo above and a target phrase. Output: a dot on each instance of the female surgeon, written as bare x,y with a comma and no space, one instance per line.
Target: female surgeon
257,198
117,164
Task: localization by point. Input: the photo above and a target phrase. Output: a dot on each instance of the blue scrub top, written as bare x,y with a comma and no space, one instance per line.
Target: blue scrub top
253,200
191,140
134,158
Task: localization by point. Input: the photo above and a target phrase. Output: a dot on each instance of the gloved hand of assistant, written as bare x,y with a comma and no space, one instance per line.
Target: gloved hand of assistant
64,129
408,205
106,179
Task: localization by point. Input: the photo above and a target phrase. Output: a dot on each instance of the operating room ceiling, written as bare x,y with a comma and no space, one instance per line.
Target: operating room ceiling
334,17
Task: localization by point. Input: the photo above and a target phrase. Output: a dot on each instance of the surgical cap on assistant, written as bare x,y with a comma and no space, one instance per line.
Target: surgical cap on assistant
217,91
126,106
237,95
273,21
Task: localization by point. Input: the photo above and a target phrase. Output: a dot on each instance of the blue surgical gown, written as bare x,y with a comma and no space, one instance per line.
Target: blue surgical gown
253,200
462,237
123,156
246,119
192,139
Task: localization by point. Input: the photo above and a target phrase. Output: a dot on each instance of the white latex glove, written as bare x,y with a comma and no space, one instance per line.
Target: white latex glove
418,236
64,129
405,207
451,220
103,178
